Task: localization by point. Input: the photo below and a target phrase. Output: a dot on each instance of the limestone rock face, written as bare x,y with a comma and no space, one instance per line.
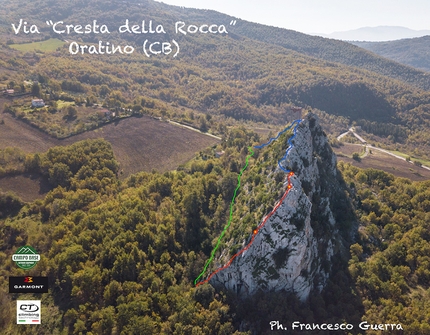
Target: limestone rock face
294,249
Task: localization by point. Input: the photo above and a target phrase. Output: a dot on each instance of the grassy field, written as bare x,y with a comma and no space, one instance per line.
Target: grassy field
422,161
49,45
139,144
347,149
62,104
381,161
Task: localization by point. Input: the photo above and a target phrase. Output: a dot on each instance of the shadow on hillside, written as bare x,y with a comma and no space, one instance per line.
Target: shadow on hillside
356,101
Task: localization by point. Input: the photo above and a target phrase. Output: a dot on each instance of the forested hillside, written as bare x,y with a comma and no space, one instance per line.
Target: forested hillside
389,263
223,75
336,51
122,256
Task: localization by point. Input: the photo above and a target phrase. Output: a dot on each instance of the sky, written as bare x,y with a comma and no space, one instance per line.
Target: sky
322,16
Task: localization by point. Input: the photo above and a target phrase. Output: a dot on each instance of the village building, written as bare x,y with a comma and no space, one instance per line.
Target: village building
106,114
219,154
293,113
35,103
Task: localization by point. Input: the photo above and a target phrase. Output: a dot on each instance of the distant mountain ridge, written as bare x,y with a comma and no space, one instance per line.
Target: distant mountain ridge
414,52
334,51
376,34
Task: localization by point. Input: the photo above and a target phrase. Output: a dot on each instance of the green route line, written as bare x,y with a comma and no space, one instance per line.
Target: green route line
229,219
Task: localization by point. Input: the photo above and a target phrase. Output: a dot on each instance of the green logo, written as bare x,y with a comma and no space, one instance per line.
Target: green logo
26,257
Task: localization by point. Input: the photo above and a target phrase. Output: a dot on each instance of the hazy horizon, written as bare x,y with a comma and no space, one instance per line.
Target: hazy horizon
316,17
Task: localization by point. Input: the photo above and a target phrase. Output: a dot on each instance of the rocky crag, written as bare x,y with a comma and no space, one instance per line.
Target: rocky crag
296,247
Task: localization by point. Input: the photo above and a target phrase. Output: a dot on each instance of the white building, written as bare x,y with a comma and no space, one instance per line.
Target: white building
37,103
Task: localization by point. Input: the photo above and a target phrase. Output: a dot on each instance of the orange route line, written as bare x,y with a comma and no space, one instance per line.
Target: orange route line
289,187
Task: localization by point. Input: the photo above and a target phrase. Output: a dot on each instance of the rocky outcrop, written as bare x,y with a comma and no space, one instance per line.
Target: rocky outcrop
293,251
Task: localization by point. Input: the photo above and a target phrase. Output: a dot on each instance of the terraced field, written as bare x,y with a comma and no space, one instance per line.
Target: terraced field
139,144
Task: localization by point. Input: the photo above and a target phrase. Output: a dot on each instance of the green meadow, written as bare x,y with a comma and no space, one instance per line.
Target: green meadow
48,45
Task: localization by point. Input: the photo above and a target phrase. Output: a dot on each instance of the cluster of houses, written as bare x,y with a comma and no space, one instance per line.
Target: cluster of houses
102,114
35,103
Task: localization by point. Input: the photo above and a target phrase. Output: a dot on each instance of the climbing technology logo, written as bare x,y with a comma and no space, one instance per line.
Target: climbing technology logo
26,257
28,312
28,284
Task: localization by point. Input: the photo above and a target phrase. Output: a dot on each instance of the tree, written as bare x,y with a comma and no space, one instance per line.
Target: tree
228,184
59,174
203,126
35,90
91,100
71,112
361,177
32,163
356,156
104,90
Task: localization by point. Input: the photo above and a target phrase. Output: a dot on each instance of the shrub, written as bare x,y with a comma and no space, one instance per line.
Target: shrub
356,156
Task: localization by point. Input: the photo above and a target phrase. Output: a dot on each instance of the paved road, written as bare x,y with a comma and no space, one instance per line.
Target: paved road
194,129
350,130
361,139
342,135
